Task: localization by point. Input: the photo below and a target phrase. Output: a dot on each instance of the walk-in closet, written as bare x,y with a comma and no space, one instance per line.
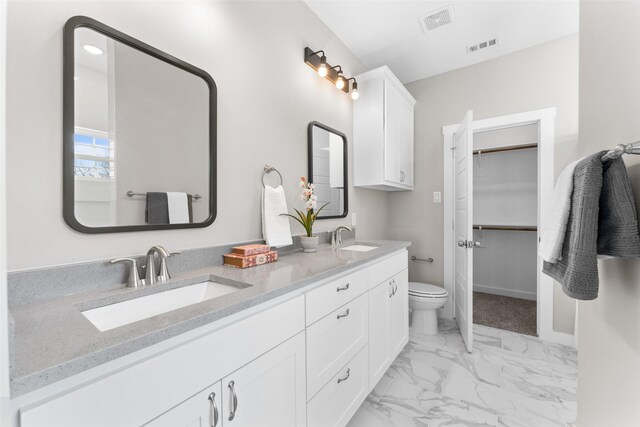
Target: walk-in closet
505,220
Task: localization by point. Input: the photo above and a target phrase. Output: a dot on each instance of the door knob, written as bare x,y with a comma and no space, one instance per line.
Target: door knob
462,243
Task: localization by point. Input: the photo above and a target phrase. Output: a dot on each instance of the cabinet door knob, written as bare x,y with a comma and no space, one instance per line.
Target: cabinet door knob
345,378
233,402
342,288
213,416
340,316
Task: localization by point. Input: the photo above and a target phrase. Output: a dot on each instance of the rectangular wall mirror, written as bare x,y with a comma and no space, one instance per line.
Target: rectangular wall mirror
139,135
328,169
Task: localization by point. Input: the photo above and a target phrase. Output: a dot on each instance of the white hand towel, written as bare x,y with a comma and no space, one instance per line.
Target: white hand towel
275,227
178,208
555,226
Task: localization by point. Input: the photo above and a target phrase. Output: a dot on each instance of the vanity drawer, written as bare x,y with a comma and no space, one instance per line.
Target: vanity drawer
323,300
334,340
336,403
386,268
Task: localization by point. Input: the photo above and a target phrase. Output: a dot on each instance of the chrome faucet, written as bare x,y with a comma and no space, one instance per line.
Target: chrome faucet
151,275
336,236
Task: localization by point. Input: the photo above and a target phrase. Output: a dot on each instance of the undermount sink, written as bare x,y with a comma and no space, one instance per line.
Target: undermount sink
125,312
359,248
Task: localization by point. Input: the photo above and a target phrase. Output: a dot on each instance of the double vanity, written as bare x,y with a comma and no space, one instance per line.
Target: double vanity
300,342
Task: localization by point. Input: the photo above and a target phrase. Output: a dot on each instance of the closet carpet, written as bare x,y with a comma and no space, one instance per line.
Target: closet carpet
510,314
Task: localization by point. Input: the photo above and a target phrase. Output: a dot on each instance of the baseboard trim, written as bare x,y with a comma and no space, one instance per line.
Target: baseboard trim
505,292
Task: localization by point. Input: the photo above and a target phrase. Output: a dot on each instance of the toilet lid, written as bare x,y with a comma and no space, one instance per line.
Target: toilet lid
417,288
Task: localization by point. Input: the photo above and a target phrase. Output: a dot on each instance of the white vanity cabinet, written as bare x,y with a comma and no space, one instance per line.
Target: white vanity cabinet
309,359
388,323
383,122
269,391
202,410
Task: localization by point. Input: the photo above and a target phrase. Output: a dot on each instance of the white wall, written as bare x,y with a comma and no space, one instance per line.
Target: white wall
4,326
608,327
266,98
539,77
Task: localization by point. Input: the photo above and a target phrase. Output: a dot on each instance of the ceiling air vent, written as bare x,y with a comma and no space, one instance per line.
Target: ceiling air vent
482,45
437,19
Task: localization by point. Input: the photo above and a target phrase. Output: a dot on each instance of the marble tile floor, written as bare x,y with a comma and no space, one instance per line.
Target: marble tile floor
510,379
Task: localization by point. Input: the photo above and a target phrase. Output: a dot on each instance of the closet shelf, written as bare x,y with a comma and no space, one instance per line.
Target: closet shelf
506,148
506,227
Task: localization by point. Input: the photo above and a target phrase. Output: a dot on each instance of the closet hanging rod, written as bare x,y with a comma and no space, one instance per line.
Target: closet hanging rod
506,148
618,151
506,227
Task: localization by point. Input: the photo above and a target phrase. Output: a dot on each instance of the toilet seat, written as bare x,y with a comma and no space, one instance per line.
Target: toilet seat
425,290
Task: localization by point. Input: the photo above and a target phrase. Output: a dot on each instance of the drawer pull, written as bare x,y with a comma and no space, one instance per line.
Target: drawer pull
342,288
213,416
390,289
233,403
340,316
345,378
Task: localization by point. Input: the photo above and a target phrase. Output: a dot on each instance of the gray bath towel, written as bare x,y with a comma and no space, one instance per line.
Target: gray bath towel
602,221
157,211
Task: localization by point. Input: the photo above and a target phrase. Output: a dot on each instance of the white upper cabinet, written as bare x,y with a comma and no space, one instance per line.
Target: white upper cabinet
383,132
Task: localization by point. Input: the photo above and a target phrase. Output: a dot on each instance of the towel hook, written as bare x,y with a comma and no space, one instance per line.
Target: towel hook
268,169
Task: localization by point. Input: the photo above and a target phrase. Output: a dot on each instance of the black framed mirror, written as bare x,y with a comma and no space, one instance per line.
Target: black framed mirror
139,134
328,169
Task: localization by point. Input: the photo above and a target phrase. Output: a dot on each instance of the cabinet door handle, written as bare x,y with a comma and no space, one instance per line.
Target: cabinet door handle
390,289
340,316
233,402
342,288
345,378
395,287
213,416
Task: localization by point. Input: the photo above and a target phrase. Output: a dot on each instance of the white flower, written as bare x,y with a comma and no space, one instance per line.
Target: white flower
312,186
307,192
302,184
314,197
311,204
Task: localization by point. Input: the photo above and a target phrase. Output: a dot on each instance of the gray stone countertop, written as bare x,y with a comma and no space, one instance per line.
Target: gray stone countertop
52,339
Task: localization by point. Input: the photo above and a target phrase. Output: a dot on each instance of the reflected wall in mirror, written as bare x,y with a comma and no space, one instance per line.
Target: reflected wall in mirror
328,169
139,135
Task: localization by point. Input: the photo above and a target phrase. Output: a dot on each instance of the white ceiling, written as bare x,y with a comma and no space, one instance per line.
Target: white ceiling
388,32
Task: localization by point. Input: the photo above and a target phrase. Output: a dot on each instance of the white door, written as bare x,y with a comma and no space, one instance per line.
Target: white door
201,410
379,344
269,391
399,312
463,291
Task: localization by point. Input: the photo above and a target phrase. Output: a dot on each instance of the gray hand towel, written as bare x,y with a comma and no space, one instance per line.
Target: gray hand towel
157,211
603,221
618,225
577,271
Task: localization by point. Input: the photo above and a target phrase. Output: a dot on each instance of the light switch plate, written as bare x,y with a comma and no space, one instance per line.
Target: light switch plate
437,197
353,219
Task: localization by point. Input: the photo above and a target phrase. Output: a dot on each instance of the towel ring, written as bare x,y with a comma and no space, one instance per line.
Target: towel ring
268,169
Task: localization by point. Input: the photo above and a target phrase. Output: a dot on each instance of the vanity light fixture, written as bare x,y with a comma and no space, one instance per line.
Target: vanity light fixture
354,89
94,50
318,61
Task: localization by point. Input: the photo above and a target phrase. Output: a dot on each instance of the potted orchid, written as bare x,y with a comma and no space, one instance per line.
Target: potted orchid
309,242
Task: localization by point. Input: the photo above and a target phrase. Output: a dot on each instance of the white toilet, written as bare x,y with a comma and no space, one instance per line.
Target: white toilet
424,300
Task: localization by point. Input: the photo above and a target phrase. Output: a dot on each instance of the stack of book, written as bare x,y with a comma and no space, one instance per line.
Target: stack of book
250,255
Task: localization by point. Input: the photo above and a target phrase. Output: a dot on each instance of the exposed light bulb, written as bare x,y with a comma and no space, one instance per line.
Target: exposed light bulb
322,70
94,50
355,94
340,82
